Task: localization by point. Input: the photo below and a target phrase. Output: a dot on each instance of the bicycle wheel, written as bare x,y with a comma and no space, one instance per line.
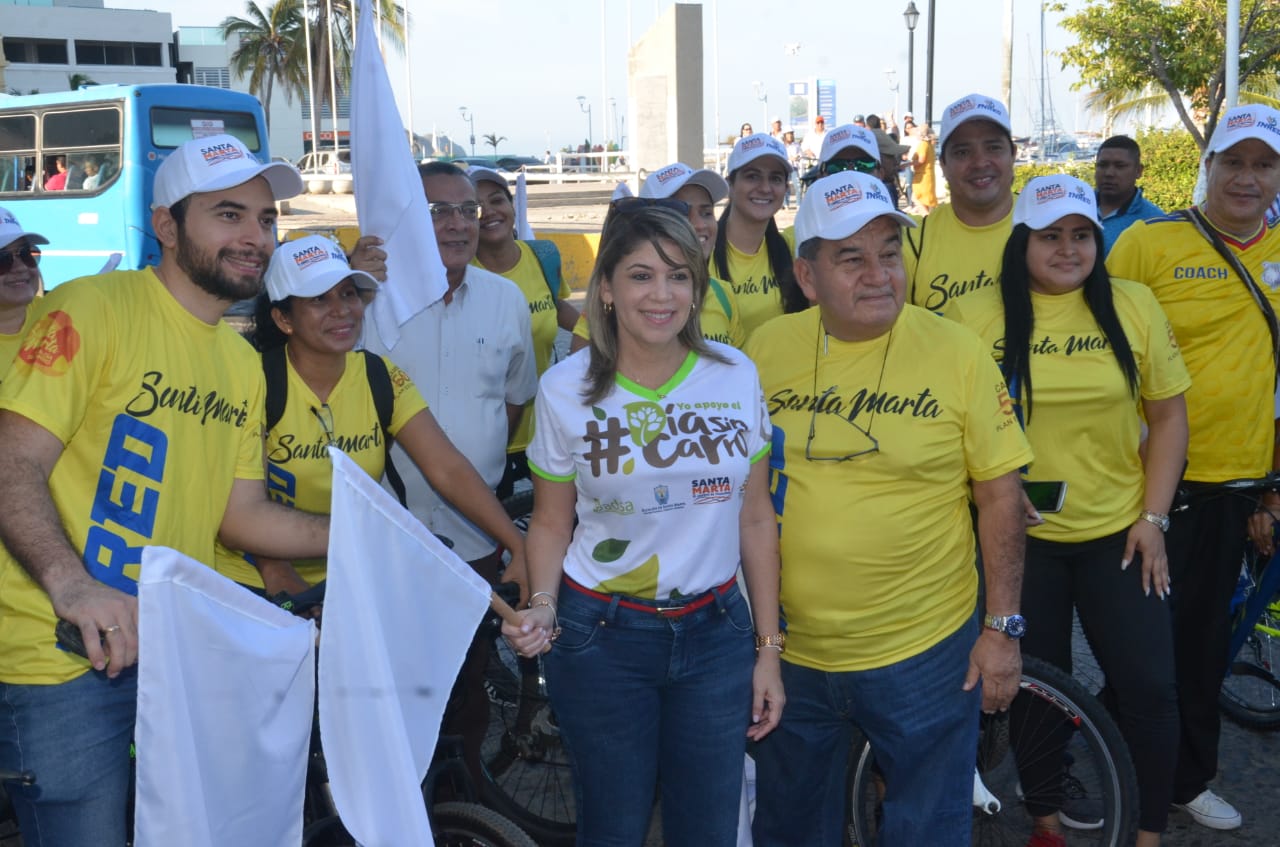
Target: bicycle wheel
1250,695
472,825
1095,767
526,770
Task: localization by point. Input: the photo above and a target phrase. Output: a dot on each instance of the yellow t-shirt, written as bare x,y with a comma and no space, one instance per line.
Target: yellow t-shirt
299,473
1224,338
9,344
954,259
720,317
878,554
754,282
158,413
1085,425
528,277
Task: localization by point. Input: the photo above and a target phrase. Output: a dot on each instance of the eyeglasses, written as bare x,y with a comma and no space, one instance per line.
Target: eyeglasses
862,166
29,255
813,427
326,421
468,211
631,205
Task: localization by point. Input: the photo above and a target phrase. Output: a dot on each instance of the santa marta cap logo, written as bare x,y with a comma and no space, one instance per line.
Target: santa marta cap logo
842,196
1049,193
216,154
312,254
671,172
840,135
959,108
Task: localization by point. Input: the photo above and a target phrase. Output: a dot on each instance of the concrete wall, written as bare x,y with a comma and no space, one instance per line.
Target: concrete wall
68,23
664,86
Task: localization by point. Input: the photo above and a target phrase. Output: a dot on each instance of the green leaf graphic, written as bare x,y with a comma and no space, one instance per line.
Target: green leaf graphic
645,420
611,549
628,466
598,412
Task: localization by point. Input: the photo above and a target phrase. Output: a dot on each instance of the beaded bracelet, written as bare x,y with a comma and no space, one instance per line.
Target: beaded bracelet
550,604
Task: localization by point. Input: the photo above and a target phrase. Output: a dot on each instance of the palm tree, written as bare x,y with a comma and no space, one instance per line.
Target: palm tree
340,16
270,51
493,140
74,81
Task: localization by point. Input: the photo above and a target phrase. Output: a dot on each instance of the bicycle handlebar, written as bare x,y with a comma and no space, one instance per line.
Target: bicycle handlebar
1245,487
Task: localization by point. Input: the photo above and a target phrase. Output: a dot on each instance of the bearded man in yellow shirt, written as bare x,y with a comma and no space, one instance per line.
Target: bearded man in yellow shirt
131,417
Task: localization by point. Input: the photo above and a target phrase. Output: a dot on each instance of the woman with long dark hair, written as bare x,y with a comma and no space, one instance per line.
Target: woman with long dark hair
750,252
1086,359
650,489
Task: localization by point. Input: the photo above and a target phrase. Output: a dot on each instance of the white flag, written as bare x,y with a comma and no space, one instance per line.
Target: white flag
390,202
400,611
226,697
523,230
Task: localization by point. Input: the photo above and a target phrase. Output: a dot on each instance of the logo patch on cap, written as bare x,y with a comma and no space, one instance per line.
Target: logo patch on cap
1244,120
9,219
1051,192
219,153
669,173
1270,126
1081,195
960,108
845,195
752,143
310,256
839,135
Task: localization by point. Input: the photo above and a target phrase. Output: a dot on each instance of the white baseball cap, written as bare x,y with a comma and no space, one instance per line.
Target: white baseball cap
1244,122
11,230
972,107
667,180
1047,199
216,163
479,173
848,135
310,266
839,205
748,149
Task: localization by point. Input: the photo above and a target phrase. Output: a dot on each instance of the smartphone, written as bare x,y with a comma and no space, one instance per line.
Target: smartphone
1046,497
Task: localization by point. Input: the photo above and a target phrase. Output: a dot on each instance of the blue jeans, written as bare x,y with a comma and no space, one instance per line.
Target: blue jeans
75,737
924,730
640,695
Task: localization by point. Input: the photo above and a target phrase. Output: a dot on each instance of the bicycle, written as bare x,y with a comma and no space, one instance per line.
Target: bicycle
1098,760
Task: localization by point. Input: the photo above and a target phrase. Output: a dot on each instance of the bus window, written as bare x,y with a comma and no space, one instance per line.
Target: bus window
65,138
17,153
170,127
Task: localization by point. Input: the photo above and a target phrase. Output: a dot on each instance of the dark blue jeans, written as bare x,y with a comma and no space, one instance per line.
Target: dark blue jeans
640,695
924,730
75,737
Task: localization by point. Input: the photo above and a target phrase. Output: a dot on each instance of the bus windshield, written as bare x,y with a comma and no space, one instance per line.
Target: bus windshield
78,166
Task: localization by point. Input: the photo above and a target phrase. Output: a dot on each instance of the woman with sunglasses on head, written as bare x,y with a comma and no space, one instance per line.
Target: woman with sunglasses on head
543,286
1086,359
694,194
650,490
20,282
311,315
750,253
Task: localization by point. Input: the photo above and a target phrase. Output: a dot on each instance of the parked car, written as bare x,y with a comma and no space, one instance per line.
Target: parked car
326,162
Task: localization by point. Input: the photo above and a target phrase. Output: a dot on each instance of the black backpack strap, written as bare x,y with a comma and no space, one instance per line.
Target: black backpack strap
384,401
1206,230
277,374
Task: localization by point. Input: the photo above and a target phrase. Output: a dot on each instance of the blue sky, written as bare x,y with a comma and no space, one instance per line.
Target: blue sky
520,66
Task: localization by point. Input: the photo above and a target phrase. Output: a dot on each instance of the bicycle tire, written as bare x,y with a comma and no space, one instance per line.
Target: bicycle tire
1250,695
1101,763
472,825
527,776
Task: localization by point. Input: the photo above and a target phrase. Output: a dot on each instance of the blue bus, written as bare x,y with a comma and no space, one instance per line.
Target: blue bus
78,166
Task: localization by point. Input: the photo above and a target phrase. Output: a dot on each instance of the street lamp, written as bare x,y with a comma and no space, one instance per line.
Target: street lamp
470,118
762,94
586,107
928,66
912,17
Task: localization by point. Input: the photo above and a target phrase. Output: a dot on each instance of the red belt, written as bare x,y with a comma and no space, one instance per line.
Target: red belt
701,600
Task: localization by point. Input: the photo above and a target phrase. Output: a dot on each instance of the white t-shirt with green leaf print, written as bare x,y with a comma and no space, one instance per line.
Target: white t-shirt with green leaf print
660,474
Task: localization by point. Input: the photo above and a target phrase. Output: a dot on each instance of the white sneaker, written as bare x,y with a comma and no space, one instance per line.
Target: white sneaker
1208,809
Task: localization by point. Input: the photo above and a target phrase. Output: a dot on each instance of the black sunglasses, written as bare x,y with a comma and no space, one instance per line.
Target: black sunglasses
862,166
631,205
29,255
